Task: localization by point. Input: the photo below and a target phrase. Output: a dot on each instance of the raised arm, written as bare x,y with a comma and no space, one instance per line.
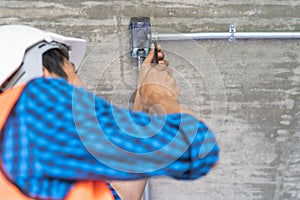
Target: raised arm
157,94
113,142
69,134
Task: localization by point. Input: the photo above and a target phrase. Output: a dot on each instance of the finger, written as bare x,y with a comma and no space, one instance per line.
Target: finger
163,62
160,55
150,56
158,47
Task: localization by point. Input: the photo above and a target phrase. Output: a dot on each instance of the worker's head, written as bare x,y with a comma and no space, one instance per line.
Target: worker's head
27,53
53,62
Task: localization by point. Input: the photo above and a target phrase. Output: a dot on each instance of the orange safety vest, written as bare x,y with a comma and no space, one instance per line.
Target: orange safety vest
90,190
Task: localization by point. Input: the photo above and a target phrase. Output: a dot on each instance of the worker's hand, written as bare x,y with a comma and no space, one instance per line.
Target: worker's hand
73,78
158,91
151,56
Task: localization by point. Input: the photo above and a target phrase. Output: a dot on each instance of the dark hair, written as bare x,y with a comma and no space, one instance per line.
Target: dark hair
53,61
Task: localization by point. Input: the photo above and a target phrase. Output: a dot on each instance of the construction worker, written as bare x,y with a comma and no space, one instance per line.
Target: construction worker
59,141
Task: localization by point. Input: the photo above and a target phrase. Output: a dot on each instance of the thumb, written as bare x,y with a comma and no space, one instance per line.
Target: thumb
150,56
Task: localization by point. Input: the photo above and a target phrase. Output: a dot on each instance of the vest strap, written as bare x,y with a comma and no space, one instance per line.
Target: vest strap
7,101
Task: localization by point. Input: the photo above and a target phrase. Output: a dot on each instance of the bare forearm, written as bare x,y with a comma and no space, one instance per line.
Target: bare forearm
161,105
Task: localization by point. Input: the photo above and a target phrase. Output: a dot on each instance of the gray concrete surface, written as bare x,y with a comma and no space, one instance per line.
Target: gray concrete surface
248,92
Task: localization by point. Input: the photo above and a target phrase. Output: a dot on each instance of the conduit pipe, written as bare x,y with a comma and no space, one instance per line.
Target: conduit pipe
232,35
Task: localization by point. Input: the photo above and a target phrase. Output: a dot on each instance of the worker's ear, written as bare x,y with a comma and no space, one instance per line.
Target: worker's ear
46,73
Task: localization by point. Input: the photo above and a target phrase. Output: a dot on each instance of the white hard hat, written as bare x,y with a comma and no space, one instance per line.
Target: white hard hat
22,48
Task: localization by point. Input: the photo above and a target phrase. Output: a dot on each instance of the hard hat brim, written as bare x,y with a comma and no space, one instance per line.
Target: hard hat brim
15,40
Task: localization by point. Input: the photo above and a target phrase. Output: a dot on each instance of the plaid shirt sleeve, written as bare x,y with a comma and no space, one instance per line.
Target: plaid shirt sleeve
58,134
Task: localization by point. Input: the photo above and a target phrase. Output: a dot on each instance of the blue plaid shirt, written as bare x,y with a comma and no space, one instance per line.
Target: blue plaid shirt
58,134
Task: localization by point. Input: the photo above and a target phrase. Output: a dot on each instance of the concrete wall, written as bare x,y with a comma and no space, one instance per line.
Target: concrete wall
247,91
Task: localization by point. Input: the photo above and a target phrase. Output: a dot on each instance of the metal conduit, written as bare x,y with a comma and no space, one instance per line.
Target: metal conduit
231,35
228,35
